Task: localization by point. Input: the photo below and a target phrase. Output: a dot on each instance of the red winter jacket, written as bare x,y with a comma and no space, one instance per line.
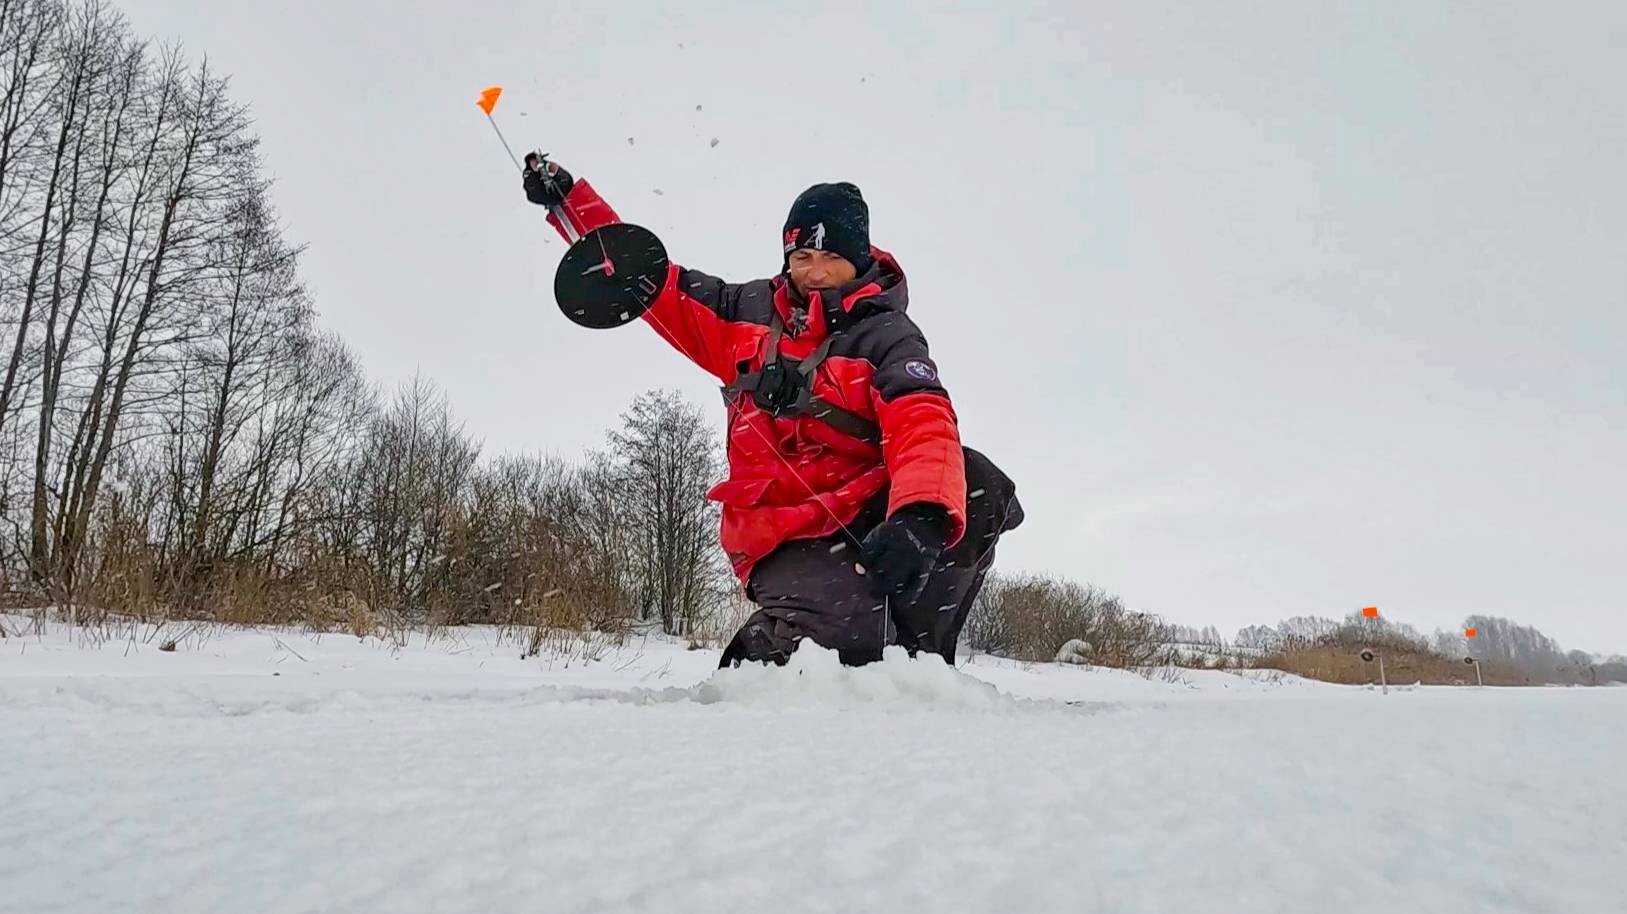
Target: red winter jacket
877,367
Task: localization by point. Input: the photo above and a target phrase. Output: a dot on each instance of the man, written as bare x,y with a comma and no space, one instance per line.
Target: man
852,513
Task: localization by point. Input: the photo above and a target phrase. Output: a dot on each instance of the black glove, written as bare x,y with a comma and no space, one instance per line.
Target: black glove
900,552
546,184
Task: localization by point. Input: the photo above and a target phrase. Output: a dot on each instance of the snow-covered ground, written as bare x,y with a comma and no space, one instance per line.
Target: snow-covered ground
275,771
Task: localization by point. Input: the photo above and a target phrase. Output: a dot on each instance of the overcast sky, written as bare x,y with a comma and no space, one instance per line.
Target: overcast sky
1268,308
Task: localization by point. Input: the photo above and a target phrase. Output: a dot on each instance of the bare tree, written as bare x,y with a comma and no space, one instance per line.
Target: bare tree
198,175
110,66
257,310
1523,648
668,458
403,491
35,37
302,440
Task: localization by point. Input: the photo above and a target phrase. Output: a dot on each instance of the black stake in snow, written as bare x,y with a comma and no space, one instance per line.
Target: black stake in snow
1368,655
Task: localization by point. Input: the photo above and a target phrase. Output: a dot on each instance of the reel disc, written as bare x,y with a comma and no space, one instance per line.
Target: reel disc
611,276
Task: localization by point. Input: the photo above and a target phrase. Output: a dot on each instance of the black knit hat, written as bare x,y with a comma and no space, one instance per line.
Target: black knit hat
830,217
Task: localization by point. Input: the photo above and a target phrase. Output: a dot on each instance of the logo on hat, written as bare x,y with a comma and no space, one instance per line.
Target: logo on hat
791,238
817,242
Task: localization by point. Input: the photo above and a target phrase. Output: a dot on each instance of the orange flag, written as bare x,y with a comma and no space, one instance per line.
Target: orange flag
488,99
1370,612
1470,633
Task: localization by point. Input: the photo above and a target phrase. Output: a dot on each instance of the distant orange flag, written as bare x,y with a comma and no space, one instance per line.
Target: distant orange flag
488,99
1370,612
1470,632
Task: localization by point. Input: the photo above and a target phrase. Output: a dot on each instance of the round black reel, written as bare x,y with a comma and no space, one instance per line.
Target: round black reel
611,276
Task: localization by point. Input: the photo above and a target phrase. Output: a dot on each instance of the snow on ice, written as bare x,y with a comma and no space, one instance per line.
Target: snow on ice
270,770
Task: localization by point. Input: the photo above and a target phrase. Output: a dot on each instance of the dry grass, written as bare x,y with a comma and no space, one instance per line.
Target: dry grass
569,645
580,619
1173,675
1405,665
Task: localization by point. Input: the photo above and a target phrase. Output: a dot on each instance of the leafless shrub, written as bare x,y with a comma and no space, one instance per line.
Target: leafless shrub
1163,673
1031,617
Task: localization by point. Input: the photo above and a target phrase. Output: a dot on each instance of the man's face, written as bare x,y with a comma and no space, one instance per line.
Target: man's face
812,270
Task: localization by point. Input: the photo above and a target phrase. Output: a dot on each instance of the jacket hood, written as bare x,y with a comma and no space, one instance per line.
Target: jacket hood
880,288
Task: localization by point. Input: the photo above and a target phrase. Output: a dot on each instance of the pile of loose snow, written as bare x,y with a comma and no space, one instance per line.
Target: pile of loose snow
815,678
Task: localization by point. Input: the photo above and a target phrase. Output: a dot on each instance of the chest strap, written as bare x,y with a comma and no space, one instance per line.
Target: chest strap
783,387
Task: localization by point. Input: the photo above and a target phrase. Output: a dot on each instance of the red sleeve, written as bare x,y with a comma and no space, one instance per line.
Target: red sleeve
920,441
694,324
585,209
920,436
